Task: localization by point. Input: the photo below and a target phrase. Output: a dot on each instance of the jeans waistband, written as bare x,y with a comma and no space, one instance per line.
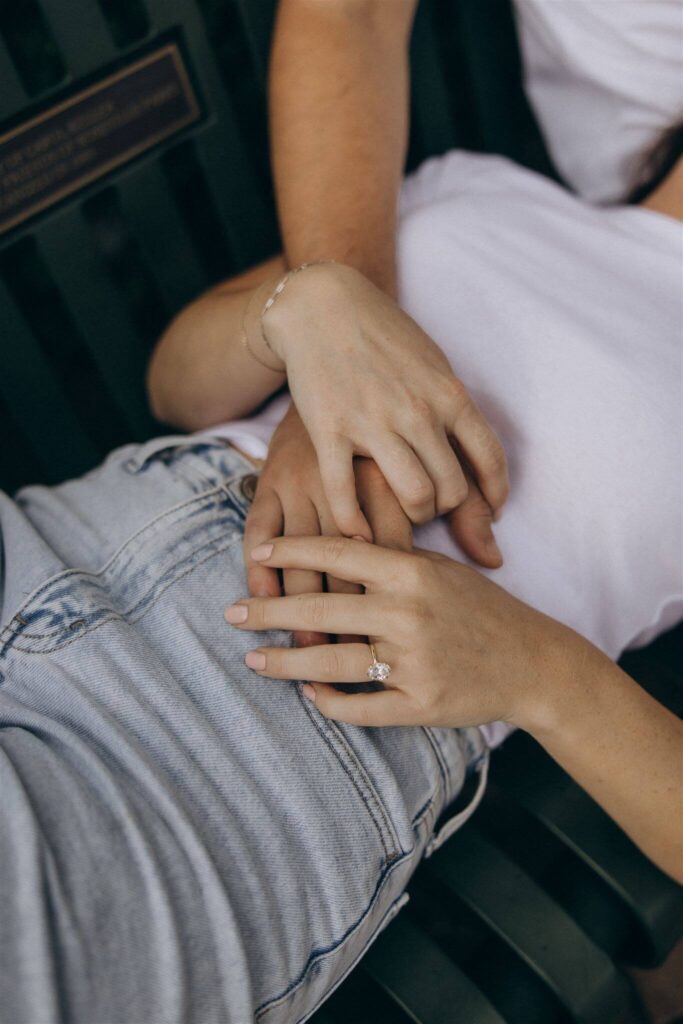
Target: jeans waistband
73,602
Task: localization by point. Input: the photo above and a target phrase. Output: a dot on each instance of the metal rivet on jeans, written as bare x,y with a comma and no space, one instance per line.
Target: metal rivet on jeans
248,485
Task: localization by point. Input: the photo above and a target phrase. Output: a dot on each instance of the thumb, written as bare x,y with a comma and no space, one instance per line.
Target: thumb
471,525
339,485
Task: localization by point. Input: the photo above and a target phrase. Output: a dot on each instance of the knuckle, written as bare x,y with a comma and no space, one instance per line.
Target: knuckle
315,607
421,570
455,392
418,491
419,411
334,549
331,662
452,495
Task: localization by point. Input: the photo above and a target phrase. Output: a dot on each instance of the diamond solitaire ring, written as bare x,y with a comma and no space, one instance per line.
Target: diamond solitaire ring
379,670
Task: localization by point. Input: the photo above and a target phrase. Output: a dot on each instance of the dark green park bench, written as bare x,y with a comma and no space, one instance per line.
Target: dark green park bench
531,912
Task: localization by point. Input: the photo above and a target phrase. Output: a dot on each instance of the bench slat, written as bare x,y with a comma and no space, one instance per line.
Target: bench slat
559,953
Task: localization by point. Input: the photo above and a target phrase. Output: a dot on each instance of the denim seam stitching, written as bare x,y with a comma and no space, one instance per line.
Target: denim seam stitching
436,750
334,728
197,498
318,955
356,780
424,810
133,608
122,616
83,572
449,793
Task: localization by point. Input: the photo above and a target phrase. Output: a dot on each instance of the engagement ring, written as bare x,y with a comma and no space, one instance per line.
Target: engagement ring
379,670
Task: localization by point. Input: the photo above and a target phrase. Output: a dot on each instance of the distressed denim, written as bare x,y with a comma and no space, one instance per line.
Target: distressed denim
180,839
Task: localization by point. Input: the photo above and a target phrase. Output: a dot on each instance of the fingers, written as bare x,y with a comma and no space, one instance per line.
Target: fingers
337,586
384,707
471,526
301,520
265,520
335,458
351,560
389,523
484,452
441,463
330,663
334,584
324,613
407,477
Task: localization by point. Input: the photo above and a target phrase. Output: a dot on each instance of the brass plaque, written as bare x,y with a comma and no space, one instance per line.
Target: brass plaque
84,137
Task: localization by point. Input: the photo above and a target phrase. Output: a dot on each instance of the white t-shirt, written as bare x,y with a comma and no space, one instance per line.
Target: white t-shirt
605,78
565,321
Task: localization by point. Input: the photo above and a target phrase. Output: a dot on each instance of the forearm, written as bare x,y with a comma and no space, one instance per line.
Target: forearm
625,749
339,122
202,372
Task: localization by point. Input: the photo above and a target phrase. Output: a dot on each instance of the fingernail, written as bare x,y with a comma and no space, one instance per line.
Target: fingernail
261,552
308,691
254,659
236,613
357,536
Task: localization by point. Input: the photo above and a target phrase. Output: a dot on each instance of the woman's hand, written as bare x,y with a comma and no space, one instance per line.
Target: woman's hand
290,500
368,381
462,650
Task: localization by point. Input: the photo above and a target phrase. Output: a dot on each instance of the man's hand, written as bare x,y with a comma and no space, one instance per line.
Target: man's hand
290,501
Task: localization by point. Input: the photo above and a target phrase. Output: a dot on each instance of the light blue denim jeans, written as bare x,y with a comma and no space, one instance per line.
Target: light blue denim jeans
180,839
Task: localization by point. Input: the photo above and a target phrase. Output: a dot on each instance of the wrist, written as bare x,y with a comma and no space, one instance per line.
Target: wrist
253,335
300,298
565,668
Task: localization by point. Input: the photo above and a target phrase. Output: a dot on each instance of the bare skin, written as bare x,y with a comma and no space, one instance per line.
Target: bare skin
464,651
667,198
406,410
622,746
338,147
339,126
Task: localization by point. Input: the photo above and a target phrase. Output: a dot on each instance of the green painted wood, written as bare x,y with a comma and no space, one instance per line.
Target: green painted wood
18,462
247,218
153,218
423,981
505,122
431,117
82,34
12,94
257,16
67,246
322,1016
579,973
529,776
249,224
36,401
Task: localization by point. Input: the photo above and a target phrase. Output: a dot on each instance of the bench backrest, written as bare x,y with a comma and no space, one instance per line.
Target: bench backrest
134,173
